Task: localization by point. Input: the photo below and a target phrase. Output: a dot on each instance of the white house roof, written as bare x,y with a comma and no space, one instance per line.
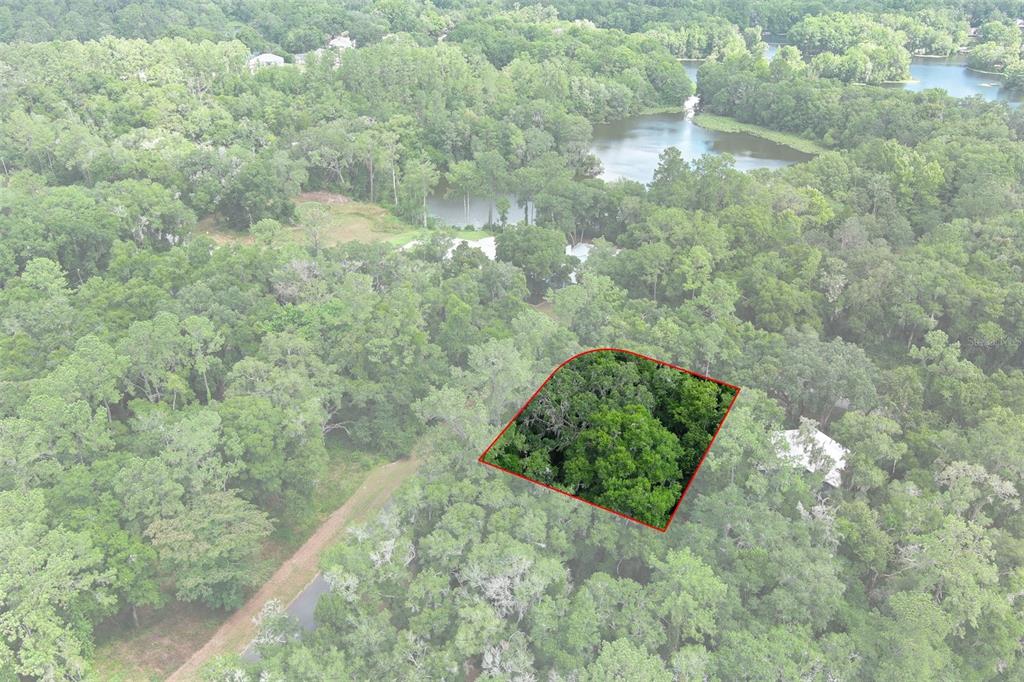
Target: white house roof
813,450
341,42
581,250
485,244
266,59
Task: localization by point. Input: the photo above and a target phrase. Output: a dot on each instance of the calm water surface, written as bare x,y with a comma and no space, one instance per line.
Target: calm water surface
452,211
630,148
952,75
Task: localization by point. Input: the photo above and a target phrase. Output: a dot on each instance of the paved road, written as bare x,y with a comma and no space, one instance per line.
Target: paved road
302,609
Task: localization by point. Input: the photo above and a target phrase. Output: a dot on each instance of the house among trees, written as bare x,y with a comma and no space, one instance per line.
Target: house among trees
814,451
341,42
338,43
265,59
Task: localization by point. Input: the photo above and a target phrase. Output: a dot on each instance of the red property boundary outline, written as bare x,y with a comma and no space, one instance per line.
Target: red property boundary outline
592,504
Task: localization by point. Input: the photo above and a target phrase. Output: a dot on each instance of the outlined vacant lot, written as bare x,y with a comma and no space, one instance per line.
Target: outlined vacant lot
618,430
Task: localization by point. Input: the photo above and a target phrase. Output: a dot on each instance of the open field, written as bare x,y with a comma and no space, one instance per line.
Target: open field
164,639
725,124
333,216
334,219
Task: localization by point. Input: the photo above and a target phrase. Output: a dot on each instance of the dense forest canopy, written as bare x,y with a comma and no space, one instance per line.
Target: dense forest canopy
624,432
171,403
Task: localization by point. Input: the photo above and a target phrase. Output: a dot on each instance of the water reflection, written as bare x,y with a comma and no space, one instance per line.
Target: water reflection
452,210
630,148
952,75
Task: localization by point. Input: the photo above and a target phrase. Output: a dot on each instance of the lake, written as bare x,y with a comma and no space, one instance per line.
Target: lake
952,75
630,148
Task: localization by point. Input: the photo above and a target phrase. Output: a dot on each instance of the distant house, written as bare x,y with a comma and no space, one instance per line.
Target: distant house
814,451
341,42
486,244
265,59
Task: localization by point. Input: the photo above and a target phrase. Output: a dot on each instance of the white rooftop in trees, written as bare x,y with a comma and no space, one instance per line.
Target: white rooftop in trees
266,59
814,451
487,245
341,42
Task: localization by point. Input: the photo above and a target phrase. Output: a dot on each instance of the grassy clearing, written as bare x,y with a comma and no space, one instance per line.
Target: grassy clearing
345,471
725,124
212,227
351,221
334,219
164,639
425,233
546,307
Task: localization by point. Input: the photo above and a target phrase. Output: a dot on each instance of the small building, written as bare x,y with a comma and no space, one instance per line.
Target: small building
341,42
486,244
265,59
814,451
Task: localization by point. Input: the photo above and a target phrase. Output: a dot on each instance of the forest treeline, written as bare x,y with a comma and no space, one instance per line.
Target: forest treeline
618,430
166,403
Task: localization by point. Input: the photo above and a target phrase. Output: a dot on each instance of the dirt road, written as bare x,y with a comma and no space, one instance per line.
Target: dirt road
301,568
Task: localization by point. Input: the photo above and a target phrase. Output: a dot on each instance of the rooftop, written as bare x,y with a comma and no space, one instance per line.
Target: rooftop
814,451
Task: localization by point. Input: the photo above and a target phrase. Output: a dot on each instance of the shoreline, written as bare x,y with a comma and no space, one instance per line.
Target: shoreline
650,111
726,124
987,73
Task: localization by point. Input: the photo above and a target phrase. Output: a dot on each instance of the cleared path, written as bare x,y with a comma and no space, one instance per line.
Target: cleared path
301,568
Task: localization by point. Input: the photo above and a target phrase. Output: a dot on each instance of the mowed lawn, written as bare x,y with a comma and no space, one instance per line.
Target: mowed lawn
334,219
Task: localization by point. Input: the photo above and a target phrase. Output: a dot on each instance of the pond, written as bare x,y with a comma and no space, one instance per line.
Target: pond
451,210
952,75
630,148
